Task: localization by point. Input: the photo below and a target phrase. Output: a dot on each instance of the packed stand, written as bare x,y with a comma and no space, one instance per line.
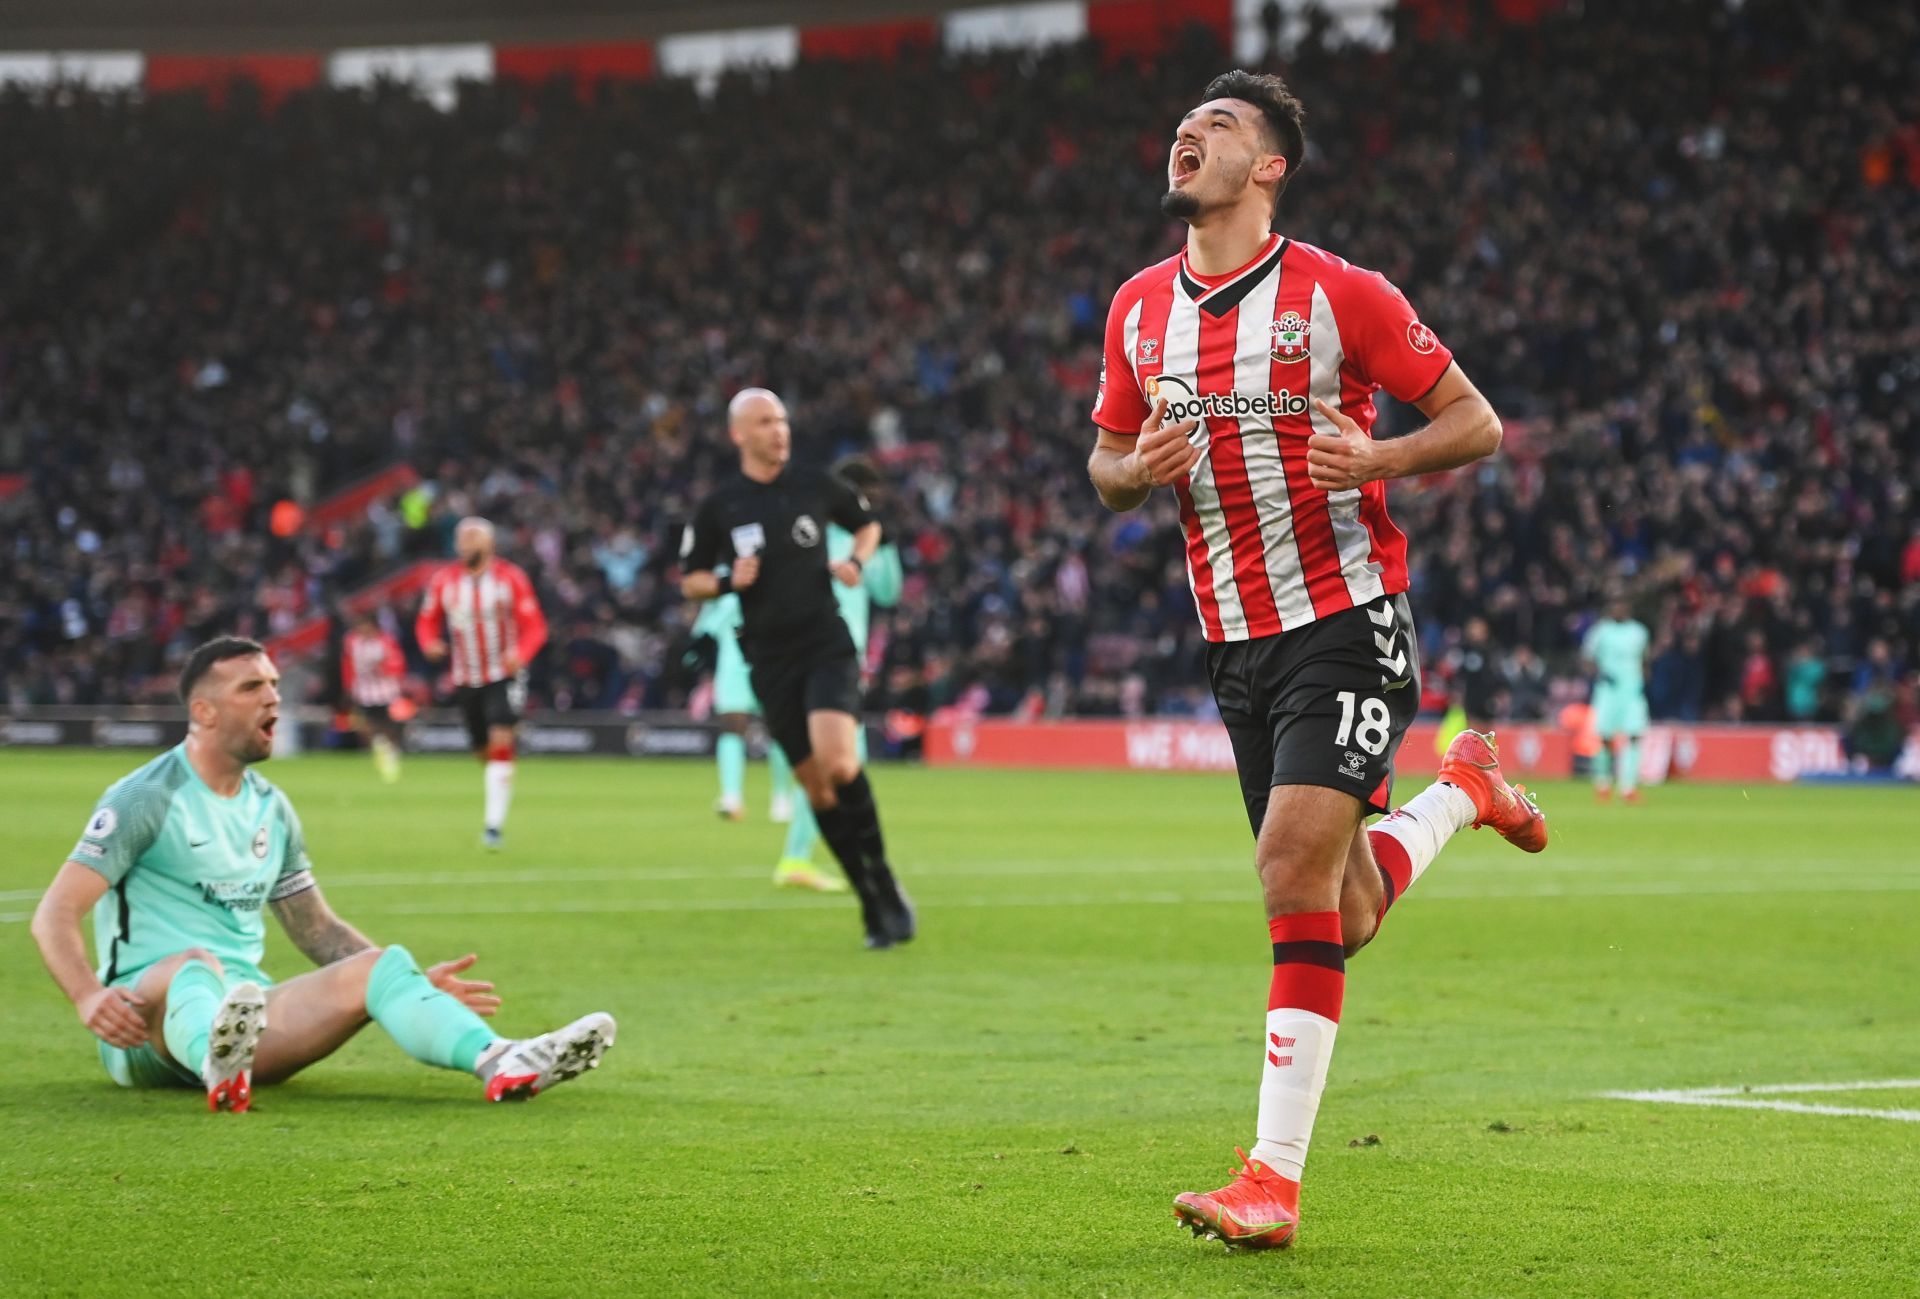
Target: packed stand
1674,243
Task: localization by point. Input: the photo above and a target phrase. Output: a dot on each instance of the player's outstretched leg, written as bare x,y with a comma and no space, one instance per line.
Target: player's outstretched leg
318,1012
435,1028
1470,792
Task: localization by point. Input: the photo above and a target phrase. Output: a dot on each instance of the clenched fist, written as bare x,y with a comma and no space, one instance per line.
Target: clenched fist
1163,455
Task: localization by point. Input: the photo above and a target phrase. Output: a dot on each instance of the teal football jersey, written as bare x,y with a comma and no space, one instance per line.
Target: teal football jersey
1618,650
188,867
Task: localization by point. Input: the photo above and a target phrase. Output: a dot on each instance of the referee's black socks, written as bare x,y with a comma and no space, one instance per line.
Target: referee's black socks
852,829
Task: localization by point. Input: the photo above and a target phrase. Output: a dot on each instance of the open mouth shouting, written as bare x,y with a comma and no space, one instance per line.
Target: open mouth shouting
1185,165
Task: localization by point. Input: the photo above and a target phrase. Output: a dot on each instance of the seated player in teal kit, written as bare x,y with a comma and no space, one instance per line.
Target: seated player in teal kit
177,863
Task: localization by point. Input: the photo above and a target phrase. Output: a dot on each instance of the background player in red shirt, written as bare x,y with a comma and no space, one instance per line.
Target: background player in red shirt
481,611
1241,373
372,676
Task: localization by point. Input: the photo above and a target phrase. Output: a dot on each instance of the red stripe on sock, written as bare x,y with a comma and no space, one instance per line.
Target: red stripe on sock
1307,987
1306,927
1299,985
1391,855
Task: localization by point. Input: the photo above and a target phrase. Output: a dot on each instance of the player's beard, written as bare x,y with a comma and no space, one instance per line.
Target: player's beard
1181,204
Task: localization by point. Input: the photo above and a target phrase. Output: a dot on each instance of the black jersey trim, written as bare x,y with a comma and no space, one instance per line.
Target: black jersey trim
1222,298
124,935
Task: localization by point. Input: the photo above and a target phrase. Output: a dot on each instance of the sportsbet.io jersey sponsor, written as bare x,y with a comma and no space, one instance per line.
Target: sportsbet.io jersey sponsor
1184,404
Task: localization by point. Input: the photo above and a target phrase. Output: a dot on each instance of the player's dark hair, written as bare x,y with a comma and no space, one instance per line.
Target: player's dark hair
859,471
217,650
1286,116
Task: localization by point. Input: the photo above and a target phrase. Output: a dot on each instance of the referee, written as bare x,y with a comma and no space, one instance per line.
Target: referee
768,529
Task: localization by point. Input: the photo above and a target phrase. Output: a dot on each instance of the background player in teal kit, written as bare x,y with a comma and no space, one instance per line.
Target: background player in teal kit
177,863
880,583
733,706
1616,647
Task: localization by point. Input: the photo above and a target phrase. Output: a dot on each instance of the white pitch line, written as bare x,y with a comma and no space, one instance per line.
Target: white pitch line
1787,1089
1683,888
1785,1107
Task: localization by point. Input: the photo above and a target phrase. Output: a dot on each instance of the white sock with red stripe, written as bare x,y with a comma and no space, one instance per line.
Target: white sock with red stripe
499,784
1303,1015
1405,843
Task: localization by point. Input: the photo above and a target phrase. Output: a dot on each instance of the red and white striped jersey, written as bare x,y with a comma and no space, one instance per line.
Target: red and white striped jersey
371,668
486,616
1247,353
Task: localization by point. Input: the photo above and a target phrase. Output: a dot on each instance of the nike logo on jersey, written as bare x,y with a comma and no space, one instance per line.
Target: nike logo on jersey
200,843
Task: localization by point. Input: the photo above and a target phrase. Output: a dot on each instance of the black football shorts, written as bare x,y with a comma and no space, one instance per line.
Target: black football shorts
498,703
1326,704
792,681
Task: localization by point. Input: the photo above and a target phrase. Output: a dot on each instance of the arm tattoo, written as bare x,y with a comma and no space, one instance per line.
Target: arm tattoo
315,930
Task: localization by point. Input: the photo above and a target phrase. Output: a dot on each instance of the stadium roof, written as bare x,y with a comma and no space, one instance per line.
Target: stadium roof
219,26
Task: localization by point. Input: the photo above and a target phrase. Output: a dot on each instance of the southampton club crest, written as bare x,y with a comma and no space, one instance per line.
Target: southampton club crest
1290,337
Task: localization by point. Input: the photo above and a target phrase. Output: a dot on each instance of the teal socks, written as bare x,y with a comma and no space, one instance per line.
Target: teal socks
732,752
192,997
1603,764
780,773
428,1024
802,832
1630,766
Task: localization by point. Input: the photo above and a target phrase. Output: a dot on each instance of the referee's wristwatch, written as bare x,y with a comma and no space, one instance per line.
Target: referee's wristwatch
858,565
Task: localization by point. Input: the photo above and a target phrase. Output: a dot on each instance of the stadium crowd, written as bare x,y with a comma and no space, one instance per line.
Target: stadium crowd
1678,244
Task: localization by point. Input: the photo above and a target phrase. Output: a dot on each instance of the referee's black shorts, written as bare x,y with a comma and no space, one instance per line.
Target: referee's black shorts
793,679
1327,704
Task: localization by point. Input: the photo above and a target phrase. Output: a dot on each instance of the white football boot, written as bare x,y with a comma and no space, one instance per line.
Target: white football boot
232,1040
527,1068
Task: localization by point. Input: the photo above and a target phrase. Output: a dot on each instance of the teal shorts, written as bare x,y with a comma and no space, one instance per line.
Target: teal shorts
1619,712
732,689
143,1066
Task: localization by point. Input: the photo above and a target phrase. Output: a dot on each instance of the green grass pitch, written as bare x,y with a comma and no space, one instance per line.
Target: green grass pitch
1007,1106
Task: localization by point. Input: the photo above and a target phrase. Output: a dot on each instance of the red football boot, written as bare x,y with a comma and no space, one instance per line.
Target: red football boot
1473,764
1258,1209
